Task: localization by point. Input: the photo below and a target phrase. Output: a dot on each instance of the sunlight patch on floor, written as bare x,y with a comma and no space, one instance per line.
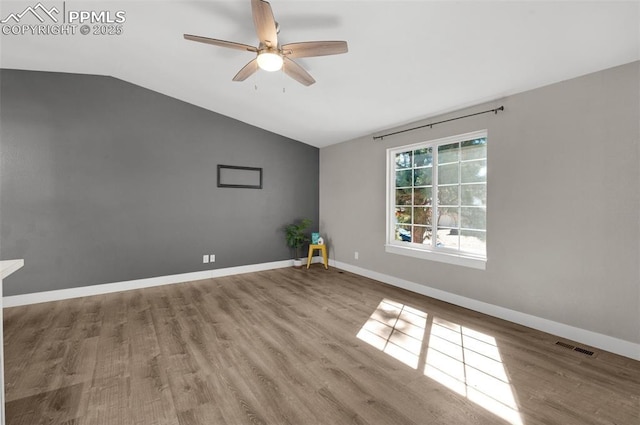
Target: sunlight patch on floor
397,330
468,362
462,359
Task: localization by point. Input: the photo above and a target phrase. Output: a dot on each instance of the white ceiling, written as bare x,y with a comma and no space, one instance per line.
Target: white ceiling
407,60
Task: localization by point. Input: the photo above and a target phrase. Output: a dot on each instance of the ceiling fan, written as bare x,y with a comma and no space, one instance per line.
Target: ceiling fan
271,56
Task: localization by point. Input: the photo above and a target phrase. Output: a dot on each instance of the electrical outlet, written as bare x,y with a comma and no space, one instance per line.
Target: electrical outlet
212,258
355,255
205,258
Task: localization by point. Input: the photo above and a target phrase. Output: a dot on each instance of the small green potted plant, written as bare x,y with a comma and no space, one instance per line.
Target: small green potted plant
296,238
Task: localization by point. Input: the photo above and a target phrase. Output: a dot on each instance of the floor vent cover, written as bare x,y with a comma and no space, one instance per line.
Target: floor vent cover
583,351
574,348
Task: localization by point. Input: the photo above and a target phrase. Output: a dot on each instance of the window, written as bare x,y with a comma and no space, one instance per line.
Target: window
437,200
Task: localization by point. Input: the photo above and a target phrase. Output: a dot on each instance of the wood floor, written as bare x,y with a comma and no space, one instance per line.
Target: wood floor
298,347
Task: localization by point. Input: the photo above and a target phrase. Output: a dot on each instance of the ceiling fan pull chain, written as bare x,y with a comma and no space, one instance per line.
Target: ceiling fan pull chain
284,84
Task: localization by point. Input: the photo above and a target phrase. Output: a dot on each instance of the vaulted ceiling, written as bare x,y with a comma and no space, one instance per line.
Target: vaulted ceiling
407,60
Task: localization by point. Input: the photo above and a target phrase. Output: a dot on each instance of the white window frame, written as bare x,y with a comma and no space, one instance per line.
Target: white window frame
415,250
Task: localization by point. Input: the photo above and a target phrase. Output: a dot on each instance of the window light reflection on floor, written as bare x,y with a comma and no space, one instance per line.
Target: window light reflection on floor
397,330
468,362
462,359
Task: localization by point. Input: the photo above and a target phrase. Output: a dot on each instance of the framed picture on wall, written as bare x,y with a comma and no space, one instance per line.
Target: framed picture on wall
239,177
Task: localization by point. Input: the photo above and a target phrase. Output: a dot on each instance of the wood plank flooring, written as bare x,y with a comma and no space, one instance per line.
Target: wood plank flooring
298,347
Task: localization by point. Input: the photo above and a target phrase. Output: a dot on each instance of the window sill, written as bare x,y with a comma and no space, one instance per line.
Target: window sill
443,257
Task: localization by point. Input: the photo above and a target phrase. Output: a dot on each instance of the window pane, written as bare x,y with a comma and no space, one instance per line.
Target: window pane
403,215
403,178
474,194
403,160
474,171
422,196
422,215
473,218
448,217
474,149
422,177
448,195
403,196
422,235
448,238
403,233
448,153
423,157
448,174
475,242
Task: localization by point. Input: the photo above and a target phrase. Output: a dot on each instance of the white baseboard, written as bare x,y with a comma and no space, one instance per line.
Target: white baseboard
594,339
107,288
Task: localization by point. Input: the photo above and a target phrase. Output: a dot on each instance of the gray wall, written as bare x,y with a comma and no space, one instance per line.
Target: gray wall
563,203
103,181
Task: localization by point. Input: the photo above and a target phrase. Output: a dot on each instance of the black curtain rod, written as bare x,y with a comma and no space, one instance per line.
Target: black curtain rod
495,111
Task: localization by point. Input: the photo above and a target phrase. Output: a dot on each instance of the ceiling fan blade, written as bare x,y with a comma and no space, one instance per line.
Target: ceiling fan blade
247,71
264,22
221,43
314,48
296,72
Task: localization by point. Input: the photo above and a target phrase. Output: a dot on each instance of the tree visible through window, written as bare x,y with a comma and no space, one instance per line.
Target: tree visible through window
438,195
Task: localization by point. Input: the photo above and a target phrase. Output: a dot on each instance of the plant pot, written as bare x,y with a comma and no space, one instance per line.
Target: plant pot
297,263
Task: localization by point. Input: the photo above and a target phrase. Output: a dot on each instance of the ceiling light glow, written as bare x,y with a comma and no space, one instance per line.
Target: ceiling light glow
270,61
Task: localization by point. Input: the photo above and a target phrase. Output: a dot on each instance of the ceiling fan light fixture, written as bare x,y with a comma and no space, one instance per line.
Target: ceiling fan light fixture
270,61
269,54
